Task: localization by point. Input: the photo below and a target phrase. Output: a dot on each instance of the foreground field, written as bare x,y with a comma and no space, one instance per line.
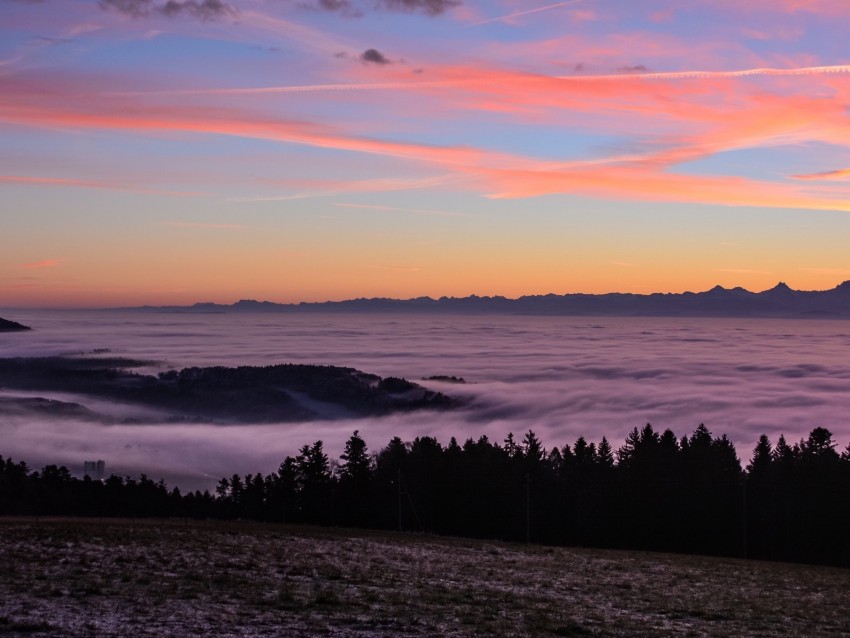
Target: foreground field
121,578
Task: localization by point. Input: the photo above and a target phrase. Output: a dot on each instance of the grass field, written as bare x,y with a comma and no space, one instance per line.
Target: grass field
122,578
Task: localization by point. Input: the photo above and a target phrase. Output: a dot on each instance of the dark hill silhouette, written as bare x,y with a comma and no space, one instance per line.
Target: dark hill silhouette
34,406
266,394
779,301
12,326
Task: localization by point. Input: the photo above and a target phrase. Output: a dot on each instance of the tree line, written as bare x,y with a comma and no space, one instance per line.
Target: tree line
656,492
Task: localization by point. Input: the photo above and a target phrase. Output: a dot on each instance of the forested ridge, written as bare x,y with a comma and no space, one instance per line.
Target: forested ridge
241,394
657,492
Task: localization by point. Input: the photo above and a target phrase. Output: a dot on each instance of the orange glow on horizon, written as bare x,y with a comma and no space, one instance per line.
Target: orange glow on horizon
492,150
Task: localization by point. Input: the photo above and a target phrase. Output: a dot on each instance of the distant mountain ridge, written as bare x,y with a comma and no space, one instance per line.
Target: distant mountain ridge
779,301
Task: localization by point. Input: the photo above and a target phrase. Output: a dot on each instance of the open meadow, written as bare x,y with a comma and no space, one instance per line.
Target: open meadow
61,577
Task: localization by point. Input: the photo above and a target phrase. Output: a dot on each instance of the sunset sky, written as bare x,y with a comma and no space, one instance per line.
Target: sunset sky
174,151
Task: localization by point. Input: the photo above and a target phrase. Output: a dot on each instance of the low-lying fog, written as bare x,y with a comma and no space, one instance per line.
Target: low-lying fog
560,376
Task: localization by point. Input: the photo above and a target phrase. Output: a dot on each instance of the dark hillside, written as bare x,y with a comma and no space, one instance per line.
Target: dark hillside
275,393
12,326
99,579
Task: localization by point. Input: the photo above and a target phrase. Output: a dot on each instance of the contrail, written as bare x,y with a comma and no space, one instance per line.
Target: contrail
81,183
525,13
305,88
444,84
684,75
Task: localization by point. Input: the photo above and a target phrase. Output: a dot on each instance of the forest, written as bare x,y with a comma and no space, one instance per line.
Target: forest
242,394
791,502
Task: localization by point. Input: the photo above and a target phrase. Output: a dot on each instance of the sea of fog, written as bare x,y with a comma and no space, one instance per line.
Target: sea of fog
560,376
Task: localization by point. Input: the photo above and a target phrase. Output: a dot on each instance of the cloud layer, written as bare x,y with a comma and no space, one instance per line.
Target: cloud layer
702,127
562,377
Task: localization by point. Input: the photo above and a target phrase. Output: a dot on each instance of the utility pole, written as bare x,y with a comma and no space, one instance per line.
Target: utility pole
399,500
527,509
744,532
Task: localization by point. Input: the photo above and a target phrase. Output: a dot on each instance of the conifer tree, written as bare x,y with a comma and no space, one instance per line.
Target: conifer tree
604,454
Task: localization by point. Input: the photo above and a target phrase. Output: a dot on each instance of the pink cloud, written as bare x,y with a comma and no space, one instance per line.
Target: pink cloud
690,115
146,119
44,263
26,180
829,272
397,268
50,181
840,174
663,15
326,187
819,7
613,182
601,53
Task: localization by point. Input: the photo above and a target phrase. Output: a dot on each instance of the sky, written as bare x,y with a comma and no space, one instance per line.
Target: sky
176,151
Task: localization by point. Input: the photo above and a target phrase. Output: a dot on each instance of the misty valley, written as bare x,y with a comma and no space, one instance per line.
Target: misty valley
194,396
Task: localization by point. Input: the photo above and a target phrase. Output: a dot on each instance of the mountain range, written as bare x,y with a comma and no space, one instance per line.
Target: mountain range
779,301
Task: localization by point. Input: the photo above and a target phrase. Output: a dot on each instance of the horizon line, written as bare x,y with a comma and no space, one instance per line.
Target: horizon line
295,304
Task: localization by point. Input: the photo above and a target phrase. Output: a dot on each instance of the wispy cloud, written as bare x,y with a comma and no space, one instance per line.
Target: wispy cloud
622,183
302,88
29,180
518,14
308,38
472,77
840,174
744,271
211,226
310,188
638,72
827,271
40,265
396,268
707,127
818,7
271,198
507,176
399,209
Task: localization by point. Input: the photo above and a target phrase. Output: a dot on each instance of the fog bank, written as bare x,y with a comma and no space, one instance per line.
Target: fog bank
562,377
